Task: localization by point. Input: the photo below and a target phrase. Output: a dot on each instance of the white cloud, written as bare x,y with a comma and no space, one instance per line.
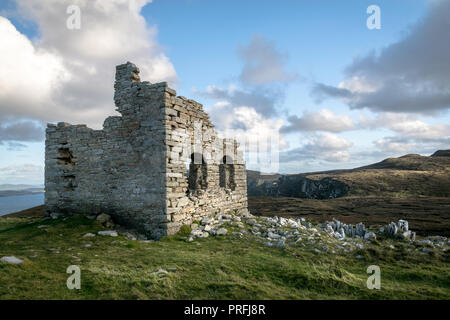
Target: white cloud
410,75
407,126
247,125
358,84
324,146
393,147
329,141
68,75
322,120
28,75
411,133
22,173
264,64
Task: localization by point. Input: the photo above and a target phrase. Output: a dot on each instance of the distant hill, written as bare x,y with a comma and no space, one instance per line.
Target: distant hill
19,186
441,153
7,190
406,176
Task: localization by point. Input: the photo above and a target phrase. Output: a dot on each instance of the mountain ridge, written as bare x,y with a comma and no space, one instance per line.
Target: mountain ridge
408,175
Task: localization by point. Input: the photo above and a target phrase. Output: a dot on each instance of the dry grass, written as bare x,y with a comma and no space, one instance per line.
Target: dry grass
427,216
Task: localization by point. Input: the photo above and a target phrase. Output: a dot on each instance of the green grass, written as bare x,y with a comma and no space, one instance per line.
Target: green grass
211,268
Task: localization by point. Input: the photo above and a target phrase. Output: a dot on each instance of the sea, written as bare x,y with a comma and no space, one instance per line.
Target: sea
17,203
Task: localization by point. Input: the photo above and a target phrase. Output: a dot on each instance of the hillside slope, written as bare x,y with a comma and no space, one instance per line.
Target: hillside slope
407,176
316,266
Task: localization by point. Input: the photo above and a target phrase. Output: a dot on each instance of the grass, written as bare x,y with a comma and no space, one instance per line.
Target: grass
393,183
211,268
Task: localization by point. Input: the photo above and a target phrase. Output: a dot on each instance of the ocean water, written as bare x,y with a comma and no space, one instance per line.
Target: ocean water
17,203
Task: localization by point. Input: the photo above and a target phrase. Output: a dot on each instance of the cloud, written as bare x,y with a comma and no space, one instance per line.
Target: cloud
323,120
397,145
28,75
246,125
15,146
390,145
264,101
263,79
68,75
21,131
248,111
263,63
259,137
322,91
324,146
411,75
407,126
411,134
22,173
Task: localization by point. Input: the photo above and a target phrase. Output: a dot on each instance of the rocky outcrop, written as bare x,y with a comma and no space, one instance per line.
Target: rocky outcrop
298,187
330,237
399,230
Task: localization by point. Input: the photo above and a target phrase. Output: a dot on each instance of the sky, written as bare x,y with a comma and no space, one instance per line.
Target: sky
309,74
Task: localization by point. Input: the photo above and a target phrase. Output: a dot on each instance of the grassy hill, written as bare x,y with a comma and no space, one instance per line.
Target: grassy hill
408,176
226,267
239,265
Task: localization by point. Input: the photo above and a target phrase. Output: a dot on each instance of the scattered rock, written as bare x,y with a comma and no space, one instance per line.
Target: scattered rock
130,236
370,236
204,235
222,232
280,244
11,260
196,232
273,235
237,219
55,215
110,233
160,272
207,220
208,227
89,235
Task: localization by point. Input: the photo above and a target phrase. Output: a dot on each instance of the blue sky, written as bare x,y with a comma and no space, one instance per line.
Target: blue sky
330,110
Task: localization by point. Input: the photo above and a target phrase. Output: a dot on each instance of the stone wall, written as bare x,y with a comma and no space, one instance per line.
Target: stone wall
188,124
136,168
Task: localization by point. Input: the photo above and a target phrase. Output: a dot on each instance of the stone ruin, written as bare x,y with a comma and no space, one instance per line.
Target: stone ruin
158,166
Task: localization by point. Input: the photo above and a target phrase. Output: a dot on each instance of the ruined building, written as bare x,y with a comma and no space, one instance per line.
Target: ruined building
156,167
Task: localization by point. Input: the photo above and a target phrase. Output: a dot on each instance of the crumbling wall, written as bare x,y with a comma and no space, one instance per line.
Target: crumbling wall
120,169
136,168
188,125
